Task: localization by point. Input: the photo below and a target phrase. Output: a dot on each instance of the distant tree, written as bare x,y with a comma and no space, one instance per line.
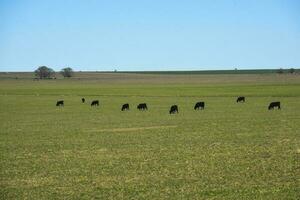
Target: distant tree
280,71
44,72
67,72
292,70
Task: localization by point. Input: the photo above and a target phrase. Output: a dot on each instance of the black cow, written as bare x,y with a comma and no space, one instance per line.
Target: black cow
125,107
199,105
83,100
95,103
173,109
60,103
240,99
142,106
274,104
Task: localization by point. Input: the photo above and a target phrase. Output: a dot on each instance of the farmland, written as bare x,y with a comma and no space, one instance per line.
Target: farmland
226,151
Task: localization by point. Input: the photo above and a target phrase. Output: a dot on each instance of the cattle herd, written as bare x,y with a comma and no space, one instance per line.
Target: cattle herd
173,109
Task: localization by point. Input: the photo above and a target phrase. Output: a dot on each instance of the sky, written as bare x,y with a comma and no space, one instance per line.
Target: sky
130,35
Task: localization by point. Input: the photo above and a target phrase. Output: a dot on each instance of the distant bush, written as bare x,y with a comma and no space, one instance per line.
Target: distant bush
44,72
292,70
280,71
67,72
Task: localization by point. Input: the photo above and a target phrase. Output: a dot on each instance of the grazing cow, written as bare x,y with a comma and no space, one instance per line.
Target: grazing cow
125,107
60,103
240,99
173,109
142,106
199,105
95,103
274,104
83,100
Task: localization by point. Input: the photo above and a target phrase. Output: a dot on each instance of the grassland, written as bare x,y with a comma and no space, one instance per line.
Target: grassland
227,151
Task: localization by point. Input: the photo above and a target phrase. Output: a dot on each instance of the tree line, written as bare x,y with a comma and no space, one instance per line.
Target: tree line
44,72
291,71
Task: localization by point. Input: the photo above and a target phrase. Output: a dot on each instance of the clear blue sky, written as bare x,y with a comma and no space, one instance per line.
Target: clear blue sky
149,34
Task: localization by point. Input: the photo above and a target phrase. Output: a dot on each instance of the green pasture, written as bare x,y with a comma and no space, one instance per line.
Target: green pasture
227,151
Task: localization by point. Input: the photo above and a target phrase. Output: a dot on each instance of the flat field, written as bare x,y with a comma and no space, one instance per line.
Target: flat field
226,151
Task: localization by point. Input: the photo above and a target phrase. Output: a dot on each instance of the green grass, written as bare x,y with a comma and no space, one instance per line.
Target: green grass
227,151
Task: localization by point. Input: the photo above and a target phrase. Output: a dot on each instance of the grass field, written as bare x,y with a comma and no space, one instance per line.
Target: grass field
227,151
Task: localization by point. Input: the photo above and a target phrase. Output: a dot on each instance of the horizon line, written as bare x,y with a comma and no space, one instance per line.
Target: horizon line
192,70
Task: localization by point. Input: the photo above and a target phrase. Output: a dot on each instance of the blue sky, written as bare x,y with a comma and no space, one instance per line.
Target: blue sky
149,34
